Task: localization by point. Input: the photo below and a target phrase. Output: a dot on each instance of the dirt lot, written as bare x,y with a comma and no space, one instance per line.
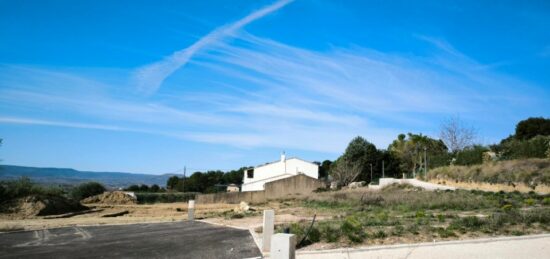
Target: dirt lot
166,212
347,218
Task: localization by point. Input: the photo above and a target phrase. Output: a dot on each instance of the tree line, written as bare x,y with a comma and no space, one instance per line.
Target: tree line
410,155
206,182
413,154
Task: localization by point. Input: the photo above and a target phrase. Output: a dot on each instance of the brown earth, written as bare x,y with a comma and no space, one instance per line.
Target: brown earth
111,198
137,213
34,206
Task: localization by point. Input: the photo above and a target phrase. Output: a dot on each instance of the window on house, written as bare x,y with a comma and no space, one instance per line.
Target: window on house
250,173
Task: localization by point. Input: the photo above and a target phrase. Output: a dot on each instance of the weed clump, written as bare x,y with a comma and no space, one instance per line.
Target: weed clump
353,230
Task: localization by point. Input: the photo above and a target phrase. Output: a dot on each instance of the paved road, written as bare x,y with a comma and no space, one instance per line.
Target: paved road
531,247
159,240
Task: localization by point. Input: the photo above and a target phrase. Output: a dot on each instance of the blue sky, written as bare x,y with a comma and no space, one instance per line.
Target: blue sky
153,86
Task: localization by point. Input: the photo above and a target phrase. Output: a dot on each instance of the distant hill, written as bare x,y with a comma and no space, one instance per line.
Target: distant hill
67,176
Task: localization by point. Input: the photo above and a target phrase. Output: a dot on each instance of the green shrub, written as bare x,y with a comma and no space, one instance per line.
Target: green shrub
86,190
546,201
470,222
22,187
518,233
533,148
413,229
168,197
530,202
471,155
445,232
314,235
507,207
298,230
398,230
329,233
379,234
352,229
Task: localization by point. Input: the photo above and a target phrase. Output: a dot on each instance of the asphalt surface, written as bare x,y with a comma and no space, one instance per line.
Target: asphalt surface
187,239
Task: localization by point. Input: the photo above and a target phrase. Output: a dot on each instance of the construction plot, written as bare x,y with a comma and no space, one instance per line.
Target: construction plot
161,240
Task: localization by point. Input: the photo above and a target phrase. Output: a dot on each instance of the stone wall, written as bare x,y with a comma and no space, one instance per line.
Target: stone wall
287,187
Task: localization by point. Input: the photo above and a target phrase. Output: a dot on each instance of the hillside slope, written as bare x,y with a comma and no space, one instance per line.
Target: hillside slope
521,174
71,176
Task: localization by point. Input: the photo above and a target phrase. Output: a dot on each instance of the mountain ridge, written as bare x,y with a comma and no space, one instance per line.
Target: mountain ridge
70,176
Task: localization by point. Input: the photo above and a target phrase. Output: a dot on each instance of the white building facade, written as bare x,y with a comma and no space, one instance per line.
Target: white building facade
255,178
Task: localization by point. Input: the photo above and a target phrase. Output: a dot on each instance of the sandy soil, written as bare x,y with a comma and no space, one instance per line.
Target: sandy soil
163,212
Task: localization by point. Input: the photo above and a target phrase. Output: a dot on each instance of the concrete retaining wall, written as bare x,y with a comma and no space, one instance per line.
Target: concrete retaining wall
383,182
295,185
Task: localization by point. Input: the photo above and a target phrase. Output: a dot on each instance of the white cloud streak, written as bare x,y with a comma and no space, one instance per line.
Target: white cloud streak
149,78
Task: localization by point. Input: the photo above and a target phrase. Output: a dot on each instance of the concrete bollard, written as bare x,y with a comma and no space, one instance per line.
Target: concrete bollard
283,246
191,210
268,227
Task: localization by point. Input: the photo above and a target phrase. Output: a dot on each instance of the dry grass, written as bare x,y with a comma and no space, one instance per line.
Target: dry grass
405,214
531,172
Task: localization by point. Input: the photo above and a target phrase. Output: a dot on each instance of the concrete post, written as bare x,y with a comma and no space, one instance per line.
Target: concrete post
268,227
191,210
283,246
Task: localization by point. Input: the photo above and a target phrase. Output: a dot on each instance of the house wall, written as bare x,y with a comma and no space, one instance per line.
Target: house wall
295,166
278,170
287,187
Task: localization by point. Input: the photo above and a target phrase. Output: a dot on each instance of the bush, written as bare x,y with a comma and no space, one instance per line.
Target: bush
532,148
445,232
470,222
352,229
165,197
86,190
22,187
471,155
314,235
398,230
329,233
379,234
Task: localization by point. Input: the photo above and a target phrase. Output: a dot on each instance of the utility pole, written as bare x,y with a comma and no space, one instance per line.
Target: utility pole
425,163
183,180
371,172
383,169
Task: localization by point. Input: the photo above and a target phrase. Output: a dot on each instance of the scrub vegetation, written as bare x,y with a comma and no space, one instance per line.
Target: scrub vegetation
402,213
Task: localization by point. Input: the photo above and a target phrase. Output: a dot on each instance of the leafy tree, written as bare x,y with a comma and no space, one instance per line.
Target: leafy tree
391,166
362,153
132,188
143,188
234,176
531,127
154,188
535,147
324,168
86,190
172,182
410,148
471,155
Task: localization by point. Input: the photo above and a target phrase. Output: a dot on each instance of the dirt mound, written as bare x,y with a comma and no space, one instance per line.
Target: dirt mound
31,206
111,198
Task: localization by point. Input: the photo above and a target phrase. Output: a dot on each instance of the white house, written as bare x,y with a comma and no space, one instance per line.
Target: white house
255,178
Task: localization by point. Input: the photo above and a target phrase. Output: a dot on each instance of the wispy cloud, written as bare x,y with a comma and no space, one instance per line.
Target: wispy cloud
32,121
149,78
262,93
